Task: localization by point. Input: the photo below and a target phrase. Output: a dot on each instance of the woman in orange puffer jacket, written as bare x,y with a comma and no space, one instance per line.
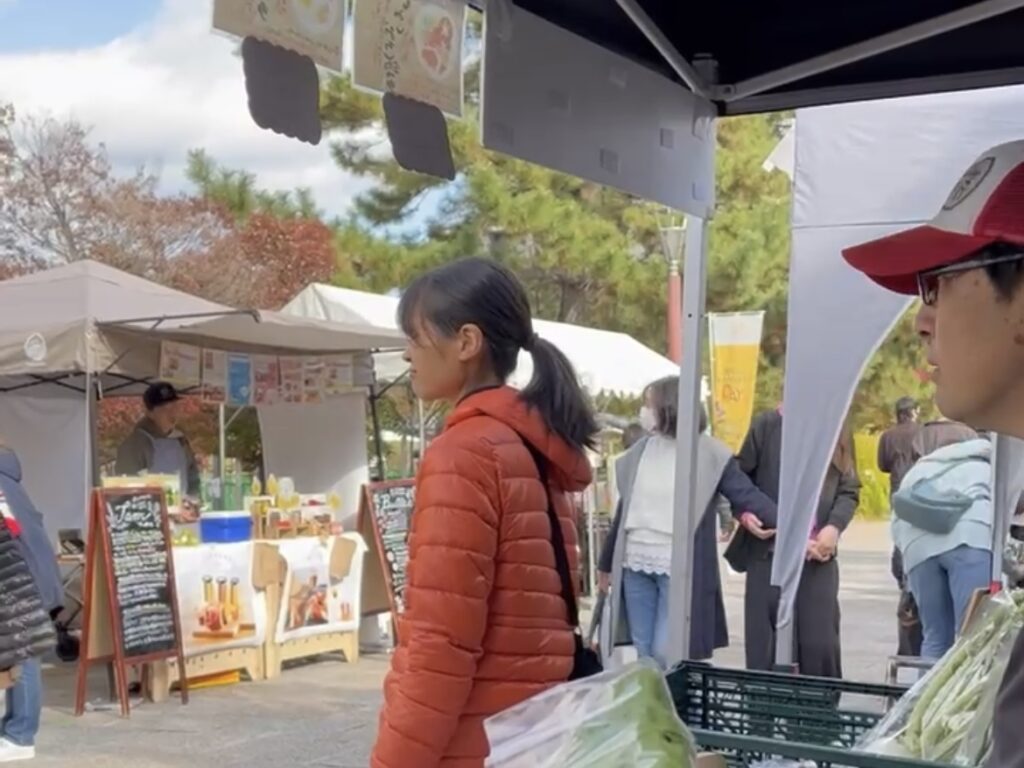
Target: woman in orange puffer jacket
485,624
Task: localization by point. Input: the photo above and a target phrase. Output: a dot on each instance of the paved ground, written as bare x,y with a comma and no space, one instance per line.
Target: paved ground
323,715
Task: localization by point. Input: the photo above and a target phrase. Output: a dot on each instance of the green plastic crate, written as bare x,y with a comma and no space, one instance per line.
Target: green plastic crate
751,716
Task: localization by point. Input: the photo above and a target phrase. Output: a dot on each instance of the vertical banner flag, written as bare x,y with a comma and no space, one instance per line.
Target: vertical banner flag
735,339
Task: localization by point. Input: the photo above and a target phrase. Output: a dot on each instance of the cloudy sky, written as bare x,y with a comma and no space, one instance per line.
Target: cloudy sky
153,80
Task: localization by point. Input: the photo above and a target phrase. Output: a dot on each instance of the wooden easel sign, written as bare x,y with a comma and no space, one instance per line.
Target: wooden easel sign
385,521
131,608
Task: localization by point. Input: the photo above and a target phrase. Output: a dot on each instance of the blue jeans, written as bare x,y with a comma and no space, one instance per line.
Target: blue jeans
24,706
646,597
942,586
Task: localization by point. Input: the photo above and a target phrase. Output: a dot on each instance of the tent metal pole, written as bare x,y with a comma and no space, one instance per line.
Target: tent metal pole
840,94
687,439
899,38
222,448
380,475
687,73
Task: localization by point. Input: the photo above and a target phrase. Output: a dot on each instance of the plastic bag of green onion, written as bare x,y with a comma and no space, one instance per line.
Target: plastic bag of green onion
947,716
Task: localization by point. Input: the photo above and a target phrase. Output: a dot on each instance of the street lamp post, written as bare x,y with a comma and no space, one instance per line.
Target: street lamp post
672,238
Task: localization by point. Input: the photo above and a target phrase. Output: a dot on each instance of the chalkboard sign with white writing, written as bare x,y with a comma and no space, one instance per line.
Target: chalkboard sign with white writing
140,555
391,506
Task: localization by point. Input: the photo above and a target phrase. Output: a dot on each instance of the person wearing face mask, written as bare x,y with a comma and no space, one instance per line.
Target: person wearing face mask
636,560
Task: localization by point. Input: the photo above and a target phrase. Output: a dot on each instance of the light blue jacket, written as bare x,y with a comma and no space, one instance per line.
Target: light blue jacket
970,474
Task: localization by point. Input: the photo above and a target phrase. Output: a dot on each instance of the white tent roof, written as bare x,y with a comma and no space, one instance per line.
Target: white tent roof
88,316
605,360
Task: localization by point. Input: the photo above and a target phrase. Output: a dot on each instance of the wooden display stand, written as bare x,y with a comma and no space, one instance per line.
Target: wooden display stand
347,642
162,676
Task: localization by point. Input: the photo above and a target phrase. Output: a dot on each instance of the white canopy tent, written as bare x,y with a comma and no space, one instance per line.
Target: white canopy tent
605,361
863,171
76,333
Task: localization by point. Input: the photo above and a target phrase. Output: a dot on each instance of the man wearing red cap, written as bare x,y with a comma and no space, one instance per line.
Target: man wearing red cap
967,266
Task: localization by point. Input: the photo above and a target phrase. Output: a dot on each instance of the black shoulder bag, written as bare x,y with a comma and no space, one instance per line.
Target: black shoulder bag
585,661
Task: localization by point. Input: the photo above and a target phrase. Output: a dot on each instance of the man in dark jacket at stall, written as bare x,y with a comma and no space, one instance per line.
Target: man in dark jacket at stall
816,634
24,702
156,444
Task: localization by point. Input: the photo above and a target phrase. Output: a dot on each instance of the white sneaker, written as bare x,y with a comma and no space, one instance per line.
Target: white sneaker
12,753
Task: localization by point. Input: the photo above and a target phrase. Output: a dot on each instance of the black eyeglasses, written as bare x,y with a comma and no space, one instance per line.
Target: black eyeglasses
928,282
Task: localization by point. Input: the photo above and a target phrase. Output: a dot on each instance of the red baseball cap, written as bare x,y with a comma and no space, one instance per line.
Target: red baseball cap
986,206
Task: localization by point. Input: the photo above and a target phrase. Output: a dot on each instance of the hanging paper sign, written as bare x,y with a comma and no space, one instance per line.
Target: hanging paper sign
412,48
180,364
266,380
239,380
313,380
313,28
291,379
215,376
338,378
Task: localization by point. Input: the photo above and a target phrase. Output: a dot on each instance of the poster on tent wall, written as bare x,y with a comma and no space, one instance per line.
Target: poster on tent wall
291,379
314,28
215,376
239,380
412,48
180,364
266,380
735,341
337,377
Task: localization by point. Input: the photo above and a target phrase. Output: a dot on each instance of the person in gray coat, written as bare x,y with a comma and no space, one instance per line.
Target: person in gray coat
636,561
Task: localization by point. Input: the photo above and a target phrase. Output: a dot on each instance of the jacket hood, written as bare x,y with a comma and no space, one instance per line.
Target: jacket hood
568,466
974,450
9,464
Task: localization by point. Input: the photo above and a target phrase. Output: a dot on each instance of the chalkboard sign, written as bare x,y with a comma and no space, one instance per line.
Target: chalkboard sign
141,555
131,608
385,519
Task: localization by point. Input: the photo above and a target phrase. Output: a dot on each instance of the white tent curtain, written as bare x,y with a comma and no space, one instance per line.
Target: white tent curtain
50,435
321,446
862,170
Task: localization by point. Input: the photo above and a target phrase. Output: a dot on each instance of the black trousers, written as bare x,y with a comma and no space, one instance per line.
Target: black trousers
818,650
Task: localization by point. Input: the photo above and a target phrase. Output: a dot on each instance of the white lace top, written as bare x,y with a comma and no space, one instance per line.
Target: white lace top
651,515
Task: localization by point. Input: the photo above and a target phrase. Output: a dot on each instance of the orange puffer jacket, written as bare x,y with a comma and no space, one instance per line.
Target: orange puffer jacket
485,625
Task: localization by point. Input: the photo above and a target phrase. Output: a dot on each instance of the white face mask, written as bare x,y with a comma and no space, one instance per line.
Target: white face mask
648,419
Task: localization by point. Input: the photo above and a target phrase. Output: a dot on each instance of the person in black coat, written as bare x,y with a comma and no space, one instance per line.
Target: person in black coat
817,632
31,593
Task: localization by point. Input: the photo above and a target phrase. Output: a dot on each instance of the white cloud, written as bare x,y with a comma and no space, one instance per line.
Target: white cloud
162,89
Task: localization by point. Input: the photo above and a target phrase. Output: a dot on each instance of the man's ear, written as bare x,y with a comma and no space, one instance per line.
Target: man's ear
471,342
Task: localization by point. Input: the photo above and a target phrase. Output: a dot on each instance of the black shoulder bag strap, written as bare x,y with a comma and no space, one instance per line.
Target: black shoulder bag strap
586,661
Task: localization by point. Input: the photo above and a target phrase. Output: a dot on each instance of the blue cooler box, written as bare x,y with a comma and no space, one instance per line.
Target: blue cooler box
225,527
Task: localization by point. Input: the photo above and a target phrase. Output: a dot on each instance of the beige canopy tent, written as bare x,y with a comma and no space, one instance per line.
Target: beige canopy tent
76,333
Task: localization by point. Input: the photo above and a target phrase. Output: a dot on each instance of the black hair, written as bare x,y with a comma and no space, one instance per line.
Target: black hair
1006,276
905,408
631,434
664,395
483,293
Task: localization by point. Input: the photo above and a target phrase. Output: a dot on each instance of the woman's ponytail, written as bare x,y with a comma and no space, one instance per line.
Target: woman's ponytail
486,294
555,392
